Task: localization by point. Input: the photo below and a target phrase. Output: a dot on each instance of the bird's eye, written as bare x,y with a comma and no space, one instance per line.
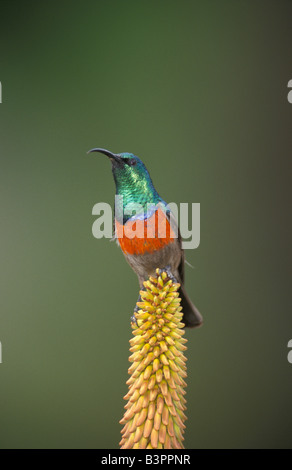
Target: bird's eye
130,161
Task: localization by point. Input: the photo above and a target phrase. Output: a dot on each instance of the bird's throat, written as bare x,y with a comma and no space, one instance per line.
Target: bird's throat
135,200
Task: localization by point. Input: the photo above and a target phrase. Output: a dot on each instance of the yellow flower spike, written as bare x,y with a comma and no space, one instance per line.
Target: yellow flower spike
152,341
154,416
132,398
153,392
156,301
137,347
160,281
133,424
159,404
159,376
162,295
147,372
163,275
166,372
162,433
156,350
167,443
163,346
151,382
165,414
154,438
141,417
138,405
145,349
143,388
164,388
148,428
156,364
146,399
164,359
166,330
174,335
151,410
173,411
138,433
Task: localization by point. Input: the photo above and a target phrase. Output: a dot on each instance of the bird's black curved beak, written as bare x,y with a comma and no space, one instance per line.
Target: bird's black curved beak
114,156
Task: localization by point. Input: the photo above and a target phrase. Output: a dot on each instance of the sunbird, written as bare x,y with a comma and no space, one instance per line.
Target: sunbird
157,243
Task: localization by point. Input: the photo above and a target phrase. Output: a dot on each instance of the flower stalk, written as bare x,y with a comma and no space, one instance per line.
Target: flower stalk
154,416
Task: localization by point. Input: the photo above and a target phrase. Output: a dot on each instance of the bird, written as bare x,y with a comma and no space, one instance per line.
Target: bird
152,247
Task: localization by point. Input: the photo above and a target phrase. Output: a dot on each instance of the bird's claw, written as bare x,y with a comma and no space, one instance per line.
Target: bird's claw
133,319
136,309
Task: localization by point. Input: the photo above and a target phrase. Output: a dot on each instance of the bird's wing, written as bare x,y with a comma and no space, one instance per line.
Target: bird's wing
175,227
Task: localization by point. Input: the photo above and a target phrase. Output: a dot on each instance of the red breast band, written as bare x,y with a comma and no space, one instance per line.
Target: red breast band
137,237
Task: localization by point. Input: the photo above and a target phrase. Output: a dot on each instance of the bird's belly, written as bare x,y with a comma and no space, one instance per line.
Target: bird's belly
145,265
154,244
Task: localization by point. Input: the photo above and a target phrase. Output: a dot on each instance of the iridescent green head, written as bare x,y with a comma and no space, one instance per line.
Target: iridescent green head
132,179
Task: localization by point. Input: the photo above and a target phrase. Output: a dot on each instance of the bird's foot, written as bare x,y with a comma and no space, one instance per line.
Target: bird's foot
133,319
136,309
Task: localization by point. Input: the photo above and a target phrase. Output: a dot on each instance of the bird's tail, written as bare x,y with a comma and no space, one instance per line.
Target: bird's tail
191,315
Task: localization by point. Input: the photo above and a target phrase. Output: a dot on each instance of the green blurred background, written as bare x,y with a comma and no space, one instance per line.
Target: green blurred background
199,91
